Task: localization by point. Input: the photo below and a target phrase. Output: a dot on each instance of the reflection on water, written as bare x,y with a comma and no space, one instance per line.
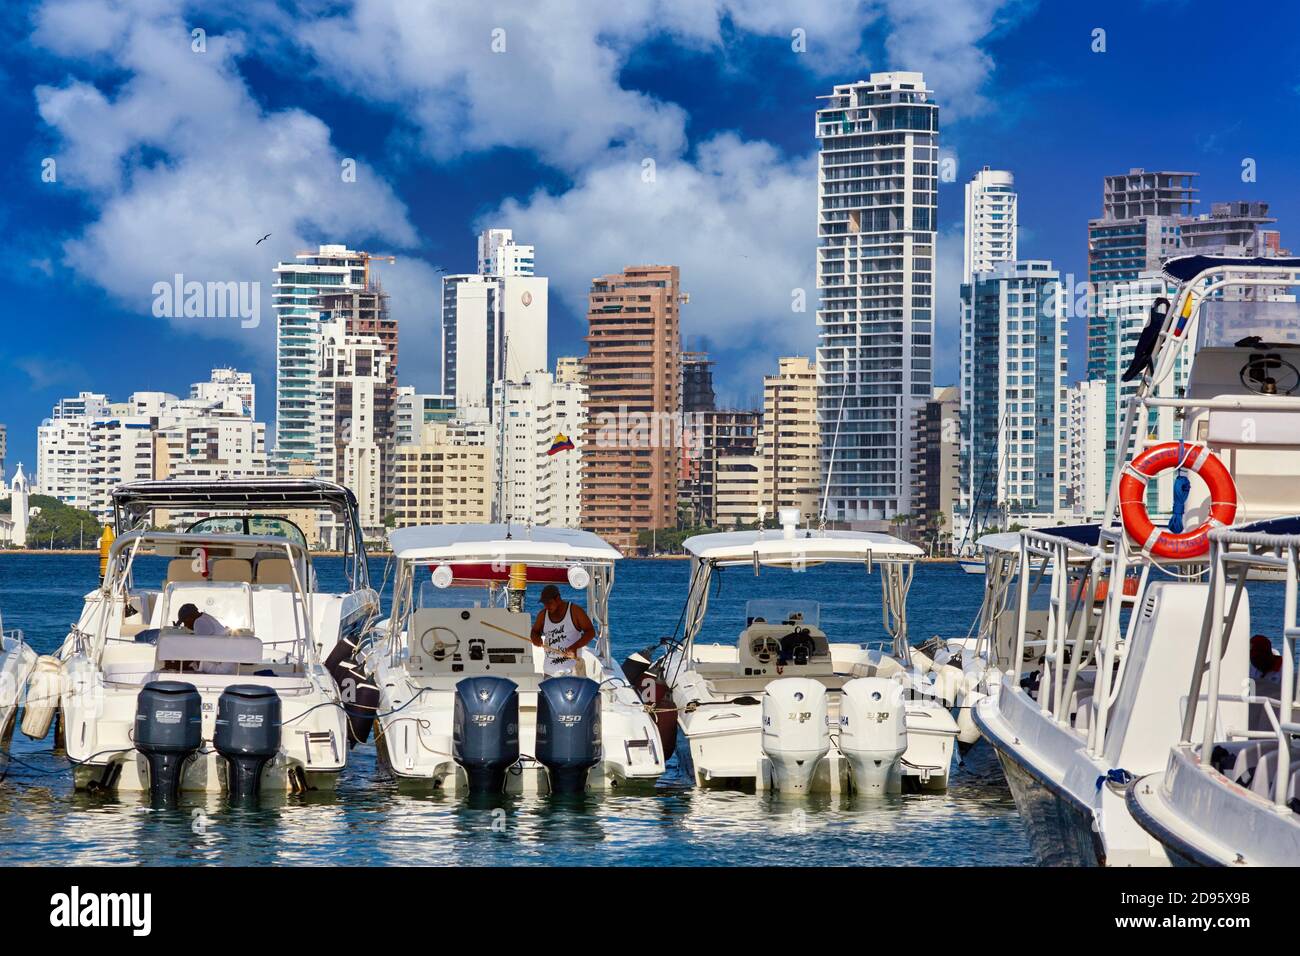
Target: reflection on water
370,821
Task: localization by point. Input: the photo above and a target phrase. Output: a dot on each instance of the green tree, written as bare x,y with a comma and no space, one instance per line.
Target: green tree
61,527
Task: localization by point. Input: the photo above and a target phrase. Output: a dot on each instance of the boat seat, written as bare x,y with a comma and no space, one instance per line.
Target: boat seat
232,569
1261,781
184,646
274,571
182,569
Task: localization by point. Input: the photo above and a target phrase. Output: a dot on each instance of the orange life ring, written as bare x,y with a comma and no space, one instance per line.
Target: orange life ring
1132,498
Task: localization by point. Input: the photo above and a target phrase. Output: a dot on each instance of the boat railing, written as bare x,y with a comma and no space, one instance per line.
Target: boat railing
1264,545
1066,632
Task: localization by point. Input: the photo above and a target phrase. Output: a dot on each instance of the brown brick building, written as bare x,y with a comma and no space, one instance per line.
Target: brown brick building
633,433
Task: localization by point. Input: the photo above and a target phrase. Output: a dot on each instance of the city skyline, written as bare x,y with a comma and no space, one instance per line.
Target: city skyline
745,154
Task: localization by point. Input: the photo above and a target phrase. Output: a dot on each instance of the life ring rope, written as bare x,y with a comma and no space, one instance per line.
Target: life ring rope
1136,476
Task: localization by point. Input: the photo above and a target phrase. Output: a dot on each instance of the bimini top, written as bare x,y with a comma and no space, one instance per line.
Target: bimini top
1005,541
499,542
136,499
773,546
1185,268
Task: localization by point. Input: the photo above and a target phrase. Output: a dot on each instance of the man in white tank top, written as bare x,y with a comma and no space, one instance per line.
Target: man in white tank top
562,628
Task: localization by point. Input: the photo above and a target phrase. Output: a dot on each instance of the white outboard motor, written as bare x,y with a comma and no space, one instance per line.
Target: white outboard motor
873,733
795,735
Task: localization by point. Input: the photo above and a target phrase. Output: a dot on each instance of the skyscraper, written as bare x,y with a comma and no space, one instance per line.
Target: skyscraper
1139,228
990,235
1014,460
789,444
989,239
877,212
298,288
494,323
633,375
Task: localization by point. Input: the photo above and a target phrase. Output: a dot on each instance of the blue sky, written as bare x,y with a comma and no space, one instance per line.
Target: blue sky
171,160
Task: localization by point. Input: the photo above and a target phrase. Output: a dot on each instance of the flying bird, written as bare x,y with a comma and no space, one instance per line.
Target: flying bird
263,239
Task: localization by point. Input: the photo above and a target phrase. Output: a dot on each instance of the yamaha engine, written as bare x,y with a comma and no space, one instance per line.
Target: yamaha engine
485,731
168,731
247,735
568,731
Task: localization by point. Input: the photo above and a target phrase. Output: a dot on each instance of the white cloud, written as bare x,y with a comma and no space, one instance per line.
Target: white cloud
555,89
188,172
739,220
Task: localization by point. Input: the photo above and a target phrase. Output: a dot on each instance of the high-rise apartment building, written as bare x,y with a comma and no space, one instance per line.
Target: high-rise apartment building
90,445
1013,455
990,234
697,383
1231,229
494,323
444,476
415,409
715,435
877,183
1086,442
989,239
299,286
634,425
938,468
540,478
500,255
789,444
568,368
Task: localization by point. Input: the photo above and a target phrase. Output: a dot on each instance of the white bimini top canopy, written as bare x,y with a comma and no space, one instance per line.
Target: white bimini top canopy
499,543
781,547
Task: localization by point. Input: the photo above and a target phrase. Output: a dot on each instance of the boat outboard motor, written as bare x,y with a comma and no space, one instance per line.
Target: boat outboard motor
247,735
873,733
568,731
485,731
647,680
795,735
168,731
360,697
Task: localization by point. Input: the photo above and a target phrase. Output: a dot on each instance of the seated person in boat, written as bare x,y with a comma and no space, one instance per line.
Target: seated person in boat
204,625
562,628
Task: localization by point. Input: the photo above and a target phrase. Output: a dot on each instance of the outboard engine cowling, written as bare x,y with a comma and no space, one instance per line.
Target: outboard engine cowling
795,735
168,731
248,735
568,731
485,731
873,733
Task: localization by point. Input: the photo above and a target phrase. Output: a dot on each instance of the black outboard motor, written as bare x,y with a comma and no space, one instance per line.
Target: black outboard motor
168,731
247,735
568,731
485,731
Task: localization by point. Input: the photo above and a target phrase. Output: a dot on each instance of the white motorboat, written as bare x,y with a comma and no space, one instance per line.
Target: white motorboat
144,702
782,706
1108,699
1240,806
16,662
465,701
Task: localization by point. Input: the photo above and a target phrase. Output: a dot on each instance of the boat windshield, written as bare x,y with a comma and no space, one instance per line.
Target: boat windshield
782,611
1225,323
260,525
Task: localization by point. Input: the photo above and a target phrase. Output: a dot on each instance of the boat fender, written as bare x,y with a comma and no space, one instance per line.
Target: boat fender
360,696
44,689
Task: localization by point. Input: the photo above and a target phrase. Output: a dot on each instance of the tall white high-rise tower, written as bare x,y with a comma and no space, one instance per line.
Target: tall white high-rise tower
877,181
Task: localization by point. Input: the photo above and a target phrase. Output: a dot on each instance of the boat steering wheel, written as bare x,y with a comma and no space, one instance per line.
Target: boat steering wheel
1255,374
439,648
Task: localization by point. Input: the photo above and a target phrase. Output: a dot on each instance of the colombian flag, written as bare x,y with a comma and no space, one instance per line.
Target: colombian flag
560,444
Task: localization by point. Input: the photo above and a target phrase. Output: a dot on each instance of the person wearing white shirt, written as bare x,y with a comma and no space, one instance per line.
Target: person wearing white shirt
205,625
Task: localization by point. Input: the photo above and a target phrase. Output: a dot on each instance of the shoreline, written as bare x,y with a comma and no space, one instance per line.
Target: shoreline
940,559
